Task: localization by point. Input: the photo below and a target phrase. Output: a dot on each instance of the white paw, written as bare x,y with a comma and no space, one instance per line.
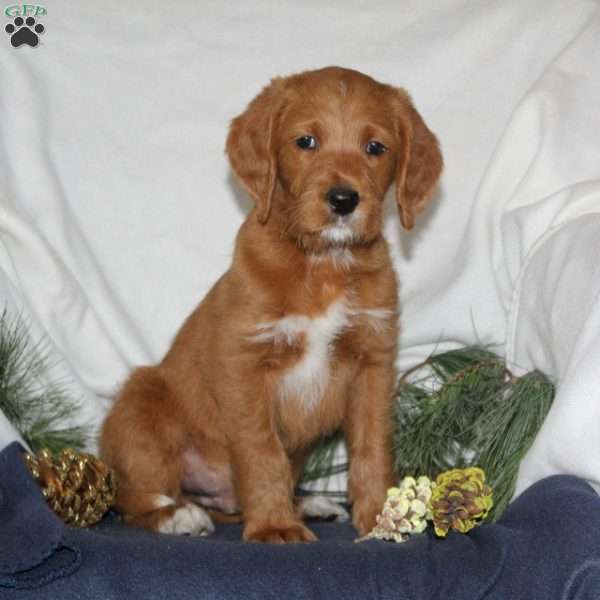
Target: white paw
188,520
320,507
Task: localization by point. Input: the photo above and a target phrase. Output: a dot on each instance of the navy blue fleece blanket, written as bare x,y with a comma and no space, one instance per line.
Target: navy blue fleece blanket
547,546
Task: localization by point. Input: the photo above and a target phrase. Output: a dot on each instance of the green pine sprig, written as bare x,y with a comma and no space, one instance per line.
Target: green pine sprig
458,409
467,408
37,408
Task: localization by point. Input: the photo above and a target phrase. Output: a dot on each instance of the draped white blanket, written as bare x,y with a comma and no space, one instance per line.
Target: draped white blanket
118,209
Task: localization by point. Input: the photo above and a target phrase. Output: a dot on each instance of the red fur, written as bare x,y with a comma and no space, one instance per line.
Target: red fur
217,392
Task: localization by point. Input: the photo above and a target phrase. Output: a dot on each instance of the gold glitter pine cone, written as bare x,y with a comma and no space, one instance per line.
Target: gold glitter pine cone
78,487
460,500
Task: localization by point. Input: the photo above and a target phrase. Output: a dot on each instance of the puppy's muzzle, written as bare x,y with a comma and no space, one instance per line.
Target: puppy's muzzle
341,200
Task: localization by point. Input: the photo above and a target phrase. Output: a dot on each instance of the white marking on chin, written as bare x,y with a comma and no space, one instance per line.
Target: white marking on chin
188,520
343,230
338,234
320,507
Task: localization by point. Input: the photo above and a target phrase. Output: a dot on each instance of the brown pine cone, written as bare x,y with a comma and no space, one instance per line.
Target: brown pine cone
460,500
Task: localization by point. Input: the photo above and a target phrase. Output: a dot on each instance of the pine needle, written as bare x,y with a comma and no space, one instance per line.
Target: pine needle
38,410
469,410
458,409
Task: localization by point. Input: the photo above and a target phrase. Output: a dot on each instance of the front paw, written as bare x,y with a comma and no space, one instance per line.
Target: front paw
283,533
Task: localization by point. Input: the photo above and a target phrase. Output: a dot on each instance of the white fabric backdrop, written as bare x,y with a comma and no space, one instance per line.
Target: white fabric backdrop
117,206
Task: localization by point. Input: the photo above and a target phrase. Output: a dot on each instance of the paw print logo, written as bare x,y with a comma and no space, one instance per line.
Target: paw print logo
24,32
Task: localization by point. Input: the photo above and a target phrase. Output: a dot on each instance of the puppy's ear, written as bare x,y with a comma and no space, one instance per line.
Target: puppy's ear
419,164
250,147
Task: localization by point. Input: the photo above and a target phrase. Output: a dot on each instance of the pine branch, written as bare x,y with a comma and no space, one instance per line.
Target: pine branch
38,410
458,409
478,414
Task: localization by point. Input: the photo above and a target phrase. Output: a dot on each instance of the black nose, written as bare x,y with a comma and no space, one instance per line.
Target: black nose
342,200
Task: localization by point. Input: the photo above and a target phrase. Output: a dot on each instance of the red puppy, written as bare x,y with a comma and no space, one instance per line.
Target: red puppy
298,337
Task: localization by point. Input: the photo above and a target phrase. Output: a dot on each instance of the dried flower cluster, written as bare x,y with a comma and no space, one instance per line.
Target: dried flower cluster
458,500
405,511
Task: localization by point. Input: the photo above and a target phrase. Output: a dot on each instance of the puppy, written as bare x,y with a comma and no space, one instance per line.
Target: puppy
298,337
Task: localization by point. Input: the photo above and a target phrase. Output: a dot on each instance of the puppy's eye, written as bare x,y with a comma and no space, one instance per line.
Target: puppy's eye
306,142
375,148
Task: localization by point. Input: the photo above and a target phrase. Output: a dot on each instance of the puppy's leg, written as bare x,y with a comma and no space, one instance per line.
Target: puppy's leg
263,474
162,513
368,429
142,440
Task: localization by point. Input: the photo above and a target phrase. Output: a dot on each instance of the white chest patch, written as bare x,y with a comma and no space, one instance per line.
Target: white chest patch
308,379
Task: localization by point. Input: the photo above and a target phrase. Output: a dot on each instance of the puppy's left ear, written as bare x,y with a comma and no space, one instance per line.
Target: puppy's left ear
250,147
419,164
